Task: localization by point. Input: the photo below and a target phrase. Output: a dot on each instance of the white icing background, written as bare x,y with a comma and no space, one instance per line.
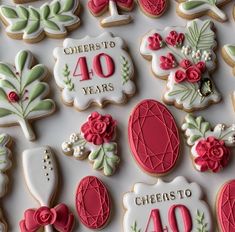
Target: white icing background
55,129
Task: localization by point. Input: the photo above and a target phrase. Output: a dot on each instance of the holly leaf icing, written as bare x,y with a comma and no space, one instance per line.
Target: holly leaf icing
22,93
197,128
192,8
50,19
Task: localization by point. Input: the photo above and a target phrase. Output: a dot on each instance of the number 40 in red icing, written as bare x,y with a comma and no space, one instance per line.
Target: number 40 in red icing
85,74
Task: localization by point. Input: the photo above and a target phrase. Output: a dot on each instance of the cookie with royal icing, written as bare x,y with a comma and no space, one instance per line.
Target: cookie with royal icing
210,147
54,20
225,207
5,165
185,57
153,137
95,141
41,176
166,206
93,203
99,7
94,70
153,8
191,9
23,92
228,53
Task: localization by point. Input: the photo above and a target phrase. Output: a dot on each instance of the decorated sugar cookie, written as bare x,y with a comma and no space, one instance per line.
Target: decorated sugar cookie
5,164
93,70
99,7
225,207
191,9
41,177
209,146
93,203
22,93
228,53
153,8
54,19
95,141
185,57
173,206
153,137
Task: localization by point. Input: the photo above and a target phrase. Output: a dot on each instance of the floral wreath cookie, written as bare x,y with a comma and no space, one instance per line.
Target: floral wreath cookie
41,177
22,93
185,57
191,9
153,137
173,206
99,7
93,203
54,20
95,141
209,147
93,70
5,165
225,207
153,8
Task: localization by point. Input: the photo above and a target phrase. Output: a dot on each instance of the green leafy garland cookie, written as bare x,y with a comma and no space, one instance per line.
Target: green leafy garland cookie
191,9
22,93
95,141
31,24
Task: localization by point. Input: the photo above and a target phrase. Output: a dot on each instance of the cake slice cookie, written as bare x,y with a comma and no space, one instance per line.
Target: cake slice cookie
54,20
191,9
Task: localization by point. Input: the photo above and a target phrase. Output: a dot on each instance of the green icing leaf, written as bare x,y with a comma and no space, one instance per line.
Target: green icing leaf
55,8
33,27
3,95
34,14
9,13
134,228
191,5
18,26
6,71
63,18
37,91
51,25
4,112
45,11
200,221
45,105
231,49
67,80
125,70
34,74
22,12
22,58
7,84
68,6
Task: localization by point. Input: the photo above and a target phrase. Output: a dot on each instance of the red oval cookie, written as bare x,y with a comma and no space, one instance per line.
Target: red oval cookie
154,8
153,137
93,203
226,207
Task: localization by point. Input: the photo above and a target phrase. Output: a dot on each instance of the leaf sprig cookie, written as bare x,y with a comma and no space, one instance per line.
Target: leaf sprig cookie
191,9
99,7
22,93
41,177
5,164
94,70
185,57
96,142
32,24
174,206
209,146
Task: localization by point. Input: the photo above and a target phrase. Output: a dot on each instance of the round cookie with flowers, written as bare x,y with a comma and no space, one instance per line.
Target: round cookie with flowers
95,141
210,147
185,57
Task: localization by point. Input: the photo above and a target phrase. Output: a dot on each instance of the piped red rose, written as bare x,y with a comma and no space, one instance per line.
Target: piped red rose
155,42
212,154
13,97
99,128
175,39
45,216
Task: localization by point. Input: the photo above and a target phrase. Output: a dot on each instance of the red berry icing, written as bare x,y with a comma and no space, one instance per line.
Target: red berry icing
226,207
212,154
13,97
153,7
168,62
93,203
175,39
99,128
155,42
153,137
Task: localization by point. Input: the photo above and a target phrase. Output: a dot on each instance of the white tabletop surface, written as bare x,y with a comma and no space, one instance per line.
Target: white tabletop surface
56,128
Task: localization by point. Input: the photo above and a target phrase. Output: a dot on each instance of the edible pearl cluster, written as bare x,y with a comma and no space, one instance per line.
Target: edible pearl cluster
186,50
197,54
79,151
47,165
207,55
